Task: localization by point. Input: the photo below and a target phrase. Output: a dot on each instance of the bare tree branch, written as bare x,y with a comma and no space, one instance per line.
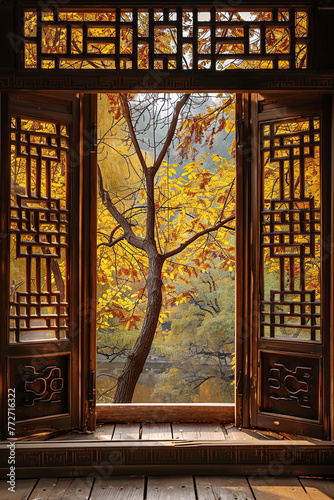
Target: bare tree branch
177,110
112,243
199,304
127,116
227,197
196,236
202,381
129,235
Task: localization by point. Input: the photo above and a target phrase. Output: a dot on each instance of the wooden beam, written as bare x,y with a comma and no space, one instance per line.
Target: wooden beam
271,457
151,412
207,81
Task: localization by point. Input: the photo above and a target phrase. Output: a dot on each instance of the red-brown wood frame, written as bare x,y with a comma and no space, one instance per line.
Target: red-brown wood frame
319,77
284,108
42,107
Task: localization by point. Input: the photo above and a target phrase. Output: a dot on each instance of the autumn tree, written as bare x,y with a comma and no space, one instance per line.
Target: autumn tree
151,223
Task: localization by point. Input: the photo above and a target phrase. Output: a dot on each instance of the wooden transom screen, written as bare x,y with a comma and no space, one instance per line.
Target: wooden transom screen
165,39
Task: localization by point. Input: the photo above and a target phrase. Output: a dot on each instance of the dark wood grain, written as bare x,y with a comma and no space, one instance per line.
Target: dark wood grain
151,412
23,488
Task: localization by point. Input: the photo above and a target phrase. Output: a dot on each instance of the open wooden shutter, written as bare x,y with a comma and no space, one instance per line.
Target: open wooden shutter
40,263
289,383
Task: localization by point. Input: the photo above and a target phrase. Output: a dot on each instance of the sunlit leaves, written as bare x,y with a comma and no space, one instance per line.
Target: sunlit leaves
151,39
192,192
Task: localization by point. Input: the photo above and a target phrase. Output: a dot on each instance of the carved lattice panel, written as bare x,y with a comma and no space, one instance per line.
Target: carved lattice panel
165,39
290,385
290,229
39,230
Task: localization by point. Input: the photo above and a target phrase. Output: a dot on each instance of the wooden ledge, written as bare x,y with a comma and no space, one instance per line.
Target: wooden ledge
112,458
151,412
135,444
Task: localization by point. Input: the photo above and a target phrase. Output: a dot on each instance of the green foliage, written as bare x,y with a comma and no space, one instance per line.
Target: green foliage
200,343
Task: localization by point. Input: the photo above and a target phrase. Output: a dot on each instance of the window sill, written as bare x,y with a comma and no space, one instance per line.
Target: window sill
167,412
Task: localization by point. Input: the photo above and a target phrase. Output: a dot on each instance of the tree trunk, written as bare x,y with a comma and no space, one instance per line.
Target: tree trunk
134,364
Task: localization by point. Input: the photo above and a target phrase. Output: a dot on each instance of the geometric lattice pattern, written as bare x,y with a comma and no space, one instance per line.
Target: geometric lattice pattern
165,39
34,308
290,229
41,227
39,230
300,306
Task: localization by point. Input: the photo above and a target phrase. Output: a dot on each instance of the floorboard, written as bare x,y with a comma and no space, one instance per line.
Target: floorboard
74,436
167,431
170,488
23,489
102,433
127,488
64,488
198,432
224,488
277,488
156,432
105,432
318,489
298,437
126,432
268,434
234,434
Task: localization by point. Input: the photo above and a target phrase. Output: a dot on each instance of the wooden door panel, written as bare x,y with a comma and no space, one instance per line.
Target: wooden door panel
41,385
290,334
289,384
41,342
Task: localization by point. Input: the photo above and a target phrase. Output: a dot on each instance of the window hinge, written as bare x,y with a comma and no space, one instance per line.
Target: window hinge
238,131
239,384
91,388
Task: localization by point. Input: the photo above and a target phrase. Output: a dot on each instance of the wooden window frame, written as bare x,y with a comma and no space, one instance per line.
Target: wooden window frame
139,412
319,76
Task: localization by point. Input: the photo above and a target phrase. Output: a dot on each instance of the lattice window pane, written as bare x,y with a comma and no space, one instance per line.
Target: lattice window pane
39,230
180,39
290,229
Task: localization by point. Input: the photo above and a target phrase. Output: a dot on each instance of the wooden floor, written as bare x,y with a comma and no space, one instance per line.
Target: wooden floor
163,461
174,431
171,488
